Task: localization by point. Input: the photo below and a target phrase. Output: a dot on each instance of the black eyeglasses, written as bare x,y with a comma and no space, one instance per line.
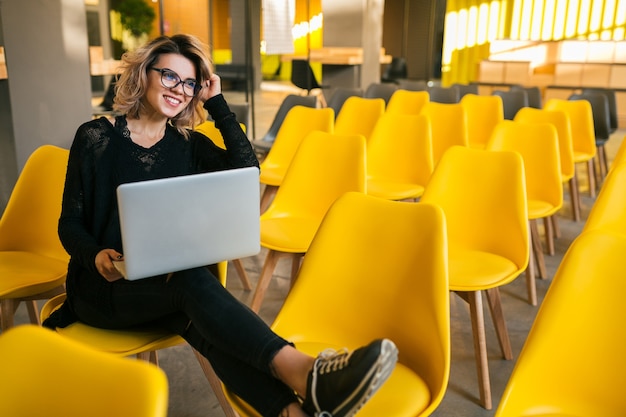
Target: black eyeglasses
170,79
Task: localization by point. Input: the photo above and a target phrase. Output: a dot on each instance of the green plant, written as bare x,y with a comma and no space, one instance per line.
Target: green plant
136,16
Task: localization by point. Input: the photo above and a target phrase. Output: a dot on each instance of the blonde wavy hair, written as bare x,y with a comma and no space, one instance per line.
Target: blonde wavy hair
133,80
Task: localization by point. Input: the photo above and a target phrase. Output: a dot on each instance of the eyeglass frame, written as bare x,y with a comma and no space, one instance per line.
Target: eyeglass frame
162,71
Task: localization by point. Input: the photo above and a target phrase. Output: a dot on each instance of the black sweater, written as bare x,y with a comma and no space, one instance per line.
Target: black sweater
102,156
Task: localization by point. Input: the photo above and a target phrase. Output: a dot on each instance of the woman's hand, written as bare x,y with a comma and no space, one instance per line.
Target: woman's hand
211,87
104,264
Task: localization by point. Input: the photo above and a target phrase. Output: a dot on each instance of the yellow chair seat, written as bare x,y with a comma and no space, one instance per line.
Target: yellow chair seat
288,234
538,209
472,270
121,342
391,190
118,342
583,156
27,273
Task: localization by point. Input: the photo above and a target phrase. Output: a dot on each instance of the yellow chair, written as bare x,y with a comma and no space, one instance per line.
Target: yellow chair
483,114
601,113
483,196
399,157
44,374
583,135
572,361
143,343
326,166
560,120
449,126
298,123
358,116
537,143
609,210
407,102
376,268
33,263
209,130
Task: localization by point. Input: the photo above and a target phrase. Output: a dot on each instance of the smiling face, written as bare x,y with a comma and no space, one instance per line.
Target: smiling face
168,102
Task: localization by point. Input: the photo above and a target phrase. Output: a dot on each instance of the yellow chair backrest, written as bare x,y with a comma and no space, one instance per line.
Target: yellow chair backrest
30,220
380,266
609,210
45,374
407,102
537,143
400,149
475,187
209,130
449,126
572,361
560,120
483,114
298,123
581,120
325,166
359,115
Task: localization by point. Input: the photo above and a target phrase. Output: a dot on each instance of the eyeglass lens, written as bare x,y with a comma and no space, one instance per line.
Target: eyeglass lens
170,79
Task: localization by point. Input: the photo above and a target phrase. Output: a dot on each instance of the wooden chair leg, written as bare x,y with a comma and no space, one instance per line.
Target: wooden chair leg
592,178
151,356
266,198
574,197
530,273
497,315
555,226
538,249
7,311
33,312
604,170
264,279
549,237
243,275
216,385
474,299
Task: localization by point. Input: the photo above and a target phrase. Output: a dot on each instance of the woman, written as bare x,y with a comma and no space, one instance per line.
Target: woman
161,93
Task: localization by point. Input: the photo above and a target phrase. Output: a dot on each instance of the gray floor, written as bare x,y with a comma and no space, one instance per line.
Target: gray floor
191,396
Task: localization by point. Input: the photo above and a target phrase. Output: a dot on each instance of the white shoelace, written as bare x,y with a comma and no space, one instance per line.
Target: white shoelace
331,360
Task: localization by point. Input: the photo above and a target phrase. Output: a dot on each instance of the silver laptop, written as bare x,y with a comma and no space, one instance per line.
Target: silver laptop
178,223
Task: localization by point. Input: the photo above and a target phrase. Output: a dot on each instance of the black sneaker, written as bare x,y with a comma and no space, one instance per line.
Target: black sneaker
341,382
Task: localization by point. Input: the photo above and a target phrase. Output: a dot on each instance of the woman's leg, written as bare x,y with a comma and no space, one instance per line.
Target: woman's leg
192,303
267,394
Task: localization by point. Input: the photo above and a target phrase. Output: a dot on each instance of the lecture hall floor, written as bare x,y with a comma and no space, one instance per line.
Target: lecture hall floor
191,395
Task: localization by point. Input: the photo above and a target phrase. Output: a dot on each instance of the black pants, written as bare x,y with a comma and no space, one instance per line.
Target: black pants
194,304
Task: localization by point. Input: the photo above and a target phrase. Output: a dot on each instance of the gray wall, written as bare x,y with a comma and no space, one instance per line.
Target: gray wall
356,23
47,58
